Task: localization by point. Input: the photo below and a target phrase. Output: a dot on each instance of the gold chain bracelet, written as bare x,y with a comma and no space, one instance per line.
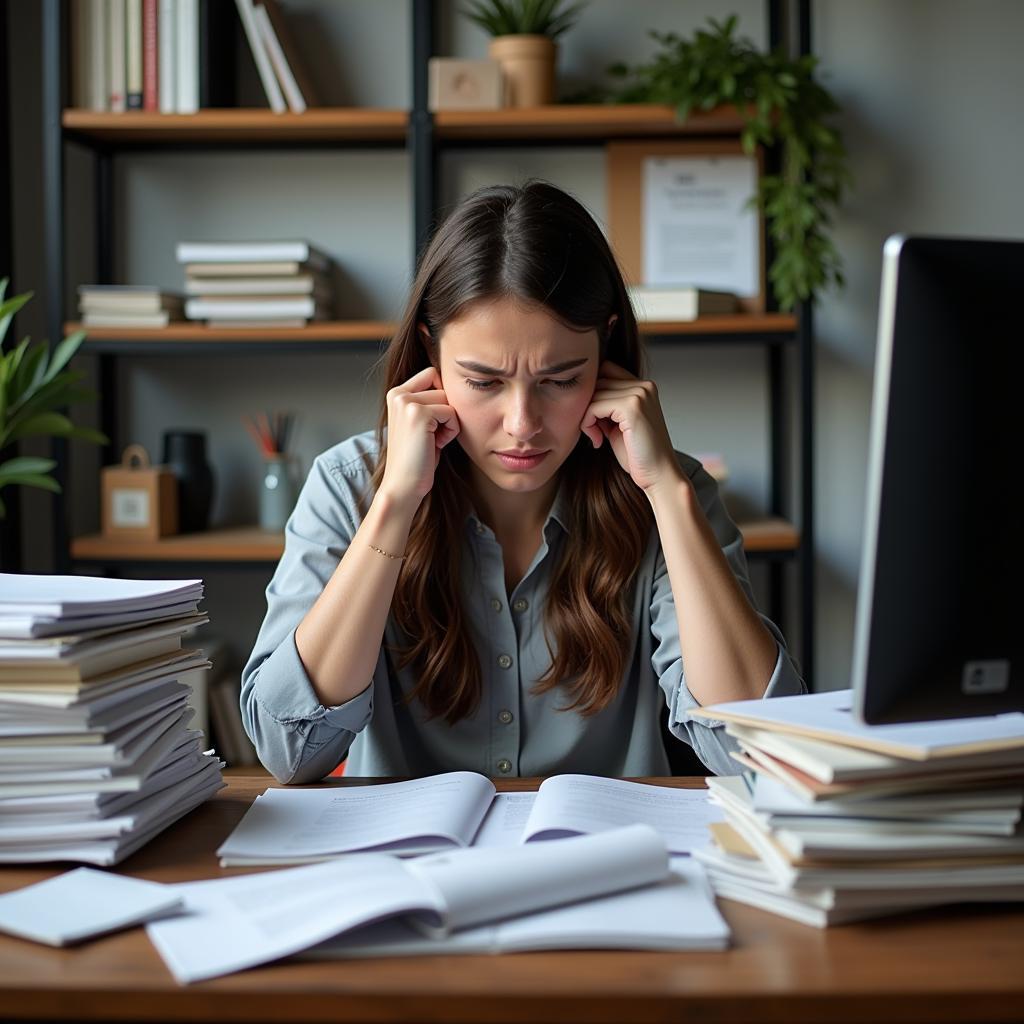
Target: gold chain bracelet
387,554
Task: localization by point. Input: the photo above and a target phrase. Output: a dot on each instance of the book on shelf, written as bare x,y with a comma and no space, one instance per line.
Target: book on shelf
453,810
119,298
167,56
218,30
145,321
295,284
88,56
255,308
150,56
684,303
271,86
269,323
247,268
285,57
291,251
116,67
133,54
186,79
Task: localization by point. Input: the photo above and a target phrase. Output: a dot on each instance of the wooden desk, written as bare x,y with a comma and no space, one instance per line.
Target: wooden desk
960,964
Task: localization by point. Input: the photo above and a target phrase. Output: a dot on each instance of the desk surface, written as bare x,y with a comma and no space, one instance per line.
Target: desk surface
958,964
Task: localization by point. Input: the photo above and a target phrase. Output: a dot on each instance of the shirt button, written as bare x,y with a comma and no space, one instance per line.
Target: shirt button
495,604
504,766
521,604
505,661
505,716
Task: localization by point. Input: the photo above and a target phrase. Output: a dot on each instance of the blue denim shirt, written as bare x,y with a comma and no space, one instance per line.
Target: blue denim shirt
512,731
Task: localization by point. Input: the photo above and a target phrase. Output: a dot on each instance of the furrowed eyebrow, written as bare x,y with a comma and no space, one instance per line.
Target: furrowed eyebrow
490,371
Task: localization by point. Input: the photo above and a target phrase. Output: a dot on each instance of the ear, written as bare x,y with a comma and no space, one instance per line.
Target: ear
612,321
428,342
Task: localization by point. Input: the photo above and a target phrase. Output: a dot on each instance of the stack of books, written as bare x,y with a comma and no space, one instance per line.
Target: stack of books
255,284
125,305
835,821
96,753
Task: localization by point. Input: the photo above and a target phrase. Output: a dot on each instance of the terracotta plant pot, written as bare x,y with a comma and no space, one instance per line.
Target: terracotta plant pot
528,68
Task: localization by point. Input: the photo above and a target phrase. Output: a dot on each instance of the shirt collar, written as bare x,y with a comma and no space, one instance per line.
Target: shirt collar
559,512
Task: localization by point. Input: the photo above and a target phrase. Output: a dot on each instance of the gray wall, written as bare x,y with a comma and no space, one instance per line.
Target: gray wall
928,89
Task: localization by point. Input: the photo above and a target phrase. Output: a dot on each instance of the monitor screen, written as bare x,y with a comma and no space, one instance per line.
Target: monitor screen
939,631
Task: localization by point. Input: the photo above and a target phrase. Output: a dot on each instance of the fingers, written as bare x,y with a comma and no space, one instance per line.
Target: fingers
427,378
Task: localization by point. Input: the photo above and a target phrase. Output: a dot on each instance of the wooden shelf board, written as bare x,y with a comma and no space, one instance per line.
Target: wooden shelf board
376,330
251,544
356,124
230,544
597,121
327,330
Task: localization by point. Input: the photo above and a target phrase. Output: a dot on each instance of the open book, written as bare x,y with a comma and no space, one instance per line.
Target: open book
296,826
233,923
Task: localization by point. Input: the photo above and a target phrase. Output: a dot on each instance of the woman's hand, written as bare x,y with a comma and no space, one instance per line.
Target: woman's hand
420,424
627,412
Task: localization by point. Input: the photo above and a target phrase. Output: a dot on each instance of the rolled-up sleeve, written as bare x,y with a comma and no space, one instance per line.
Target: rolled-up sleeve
296,737
707,737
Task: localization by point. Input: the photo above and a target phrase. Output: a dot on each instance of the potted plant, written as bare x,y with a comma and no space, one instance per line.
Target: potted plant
782,104
34,385
524,44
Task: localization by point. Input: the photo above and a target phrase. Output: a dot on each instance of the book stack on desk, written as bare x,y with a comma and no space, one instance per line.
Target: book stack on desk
835,821
255,284
96,756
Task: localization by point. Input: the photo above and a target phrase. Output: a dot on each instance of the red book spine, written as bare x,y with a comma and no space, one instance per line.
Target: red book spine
150,68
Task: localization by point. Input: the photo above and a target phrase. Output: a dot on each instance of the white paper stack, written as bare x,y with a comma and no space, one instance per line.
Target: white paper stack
96,756
255,284
835,821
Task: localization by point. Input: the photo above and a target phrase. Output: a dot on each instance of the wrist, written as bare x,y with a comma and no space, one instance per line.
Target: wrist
672,486
395,508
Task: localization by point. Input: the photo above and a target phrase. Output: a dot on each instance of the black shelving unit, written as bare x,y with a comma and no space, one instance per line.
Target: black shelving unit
788,354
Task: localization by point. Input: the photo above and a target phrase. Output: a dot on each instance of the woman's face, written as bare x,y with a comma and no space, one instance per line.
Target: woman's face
519,382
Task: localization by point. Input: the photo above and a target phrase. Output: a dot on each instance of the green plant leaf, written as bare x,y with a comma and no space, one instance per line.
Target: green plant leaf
47,483
46,424
62,354
8,309
26,464
89,434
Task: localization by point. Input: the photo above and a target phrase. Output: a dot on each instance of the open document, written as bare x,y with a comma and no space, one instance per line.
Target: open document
230,924
293,826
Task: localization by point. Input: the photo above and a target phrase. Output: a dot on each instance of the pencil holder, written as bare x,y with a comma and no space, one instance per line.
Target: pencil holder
277,493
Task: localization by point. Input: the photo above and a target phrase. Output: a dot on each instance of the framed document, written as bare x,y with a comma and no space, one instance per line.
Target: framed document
679,215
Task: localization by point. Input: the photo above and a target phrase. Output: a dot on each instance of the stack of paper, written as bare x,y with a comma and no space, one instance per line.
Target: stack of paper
837,821
96,756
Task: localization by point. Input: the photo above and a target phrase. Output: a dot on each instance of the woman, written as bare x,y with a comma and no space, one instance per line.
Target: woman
511,575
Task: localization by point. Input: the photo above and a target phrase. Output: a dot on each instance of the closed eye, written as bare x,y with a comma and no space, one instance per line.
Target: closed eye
488,385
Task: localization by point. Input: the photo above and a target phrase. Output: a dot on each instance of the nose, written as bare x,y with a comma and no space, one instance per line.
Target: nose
522,418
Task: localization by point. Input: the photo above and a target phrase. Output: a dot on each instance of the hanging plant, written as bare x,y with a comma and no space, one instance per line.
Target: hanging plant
782,105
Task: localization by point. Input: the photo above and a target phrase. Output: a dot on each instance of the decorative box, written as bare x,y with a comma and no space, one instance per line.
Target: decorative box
139,500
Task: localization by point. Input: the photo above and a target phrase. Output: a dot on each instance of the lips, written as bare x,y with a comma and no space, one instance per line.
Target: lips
521,460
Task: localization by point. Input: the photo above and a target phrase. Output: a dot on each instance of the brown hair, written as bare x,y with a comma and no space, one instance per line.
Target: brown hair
537,244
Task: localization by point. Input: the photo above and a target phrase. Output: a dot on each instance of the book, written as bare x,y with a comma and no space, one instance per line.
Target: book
133,54
278,60
247,13
233,923
261,324
293,284
187,55
97,15
150,56
116,298
102,319
829,716
254,268
254,307
291,53
251,252
116,55
167,55
679,303
453,810
218,25
675,914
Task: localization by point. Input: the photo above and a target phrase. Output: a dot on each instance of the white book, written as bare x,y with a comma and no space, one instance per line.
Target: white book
252,307
246,268
668,304
133,54
678,913
126,299
116,56
98,14
292,251
297,284
448,811
144,320
167,55
81,904
271,87
829,716
279,61
234,923
263,324
187,53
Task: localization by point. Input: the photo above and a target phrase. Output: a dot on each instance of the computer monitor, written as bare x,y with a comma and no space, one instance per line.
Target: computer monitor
940,614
